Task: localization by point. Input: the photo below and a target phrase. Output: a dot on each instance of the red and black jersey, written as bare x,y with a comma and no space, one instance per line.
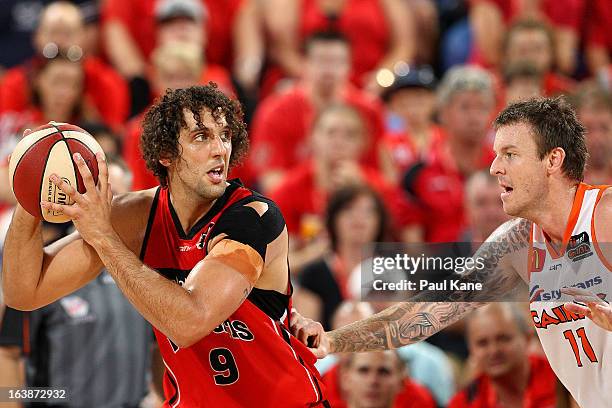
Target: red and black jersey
250,360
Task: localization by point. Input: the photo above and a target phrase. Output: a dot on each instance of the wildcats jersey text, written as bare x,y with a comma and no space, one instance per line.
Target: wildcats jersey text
250,359
578,350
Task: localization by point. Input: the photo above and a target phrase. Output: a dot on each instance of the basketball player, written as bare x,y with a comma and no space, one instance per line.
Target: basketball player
201,258
563,225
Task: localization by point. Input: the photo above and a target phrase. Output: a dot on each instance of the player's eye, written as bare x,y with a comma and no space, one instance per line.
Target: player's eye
510,155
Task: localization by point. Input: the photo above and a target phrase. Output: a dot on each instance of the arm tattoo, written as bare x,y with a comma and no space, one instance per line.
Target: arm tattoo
409,322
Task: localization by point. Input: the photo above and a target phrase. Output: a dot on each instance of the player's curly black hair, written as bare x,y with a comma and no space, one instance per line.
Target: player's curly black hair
164,120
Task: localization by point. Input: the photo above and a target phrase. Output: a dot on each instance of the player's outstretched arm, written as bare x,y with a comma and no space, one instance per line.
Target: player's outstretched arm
409,322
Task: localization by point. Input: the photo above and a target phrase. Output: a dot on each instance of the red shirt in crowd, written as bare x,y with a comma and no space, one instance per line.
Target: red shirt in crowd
279,133
540,392
138,16
300,199
559,13
104,88
403,151
599,32
437,186
412,394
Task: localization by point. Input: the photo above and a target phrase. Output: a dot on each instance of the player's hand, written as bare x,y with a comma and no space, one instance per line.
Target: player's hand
90,211
310,333
593,307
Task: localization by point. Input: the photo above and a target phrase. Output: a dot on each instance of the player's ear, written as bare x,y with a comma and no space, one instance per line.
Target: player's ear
165,162
555,159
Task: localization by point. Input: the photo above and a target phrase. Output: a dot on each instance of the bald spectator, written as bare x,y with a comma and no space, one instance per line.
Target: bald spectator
61,32
507,376
466,102
594,108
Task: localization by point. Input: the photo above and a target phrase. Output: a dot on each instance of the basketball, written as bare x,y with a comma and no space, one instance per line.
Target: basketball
42,152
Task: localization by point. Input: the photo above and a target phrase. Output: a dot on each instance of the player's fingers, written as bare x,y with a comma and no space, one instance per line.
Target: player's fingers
85,173
605,309
68,210
70,191
109,193
102,173
579,309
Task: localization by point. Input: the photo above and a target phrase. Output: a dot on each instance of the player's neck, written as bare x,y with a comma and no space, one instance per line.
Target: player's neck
554,211
189,208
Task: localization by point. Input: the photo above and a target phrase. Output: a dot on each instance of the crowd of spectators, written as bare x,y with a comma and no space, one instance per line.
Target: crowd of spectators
369,121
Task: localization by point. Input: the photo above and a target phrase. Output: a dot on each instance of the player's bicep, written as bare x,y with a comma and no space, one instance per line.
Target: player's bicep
222,281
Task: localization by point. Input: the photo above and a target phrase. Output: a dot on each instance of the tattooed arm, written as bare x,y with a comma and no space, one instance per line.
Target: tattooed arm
505,259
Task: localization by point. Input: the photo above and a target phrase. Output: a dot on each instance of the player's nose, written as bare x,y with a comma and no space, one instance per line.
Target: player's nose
496,168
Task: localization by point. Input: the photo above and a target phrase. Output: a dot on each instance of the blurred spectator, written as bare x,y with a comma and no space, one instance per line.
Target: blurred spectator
230,32
425,16
507,376
106,138
410,102
175,65
283,121
531,41
92,343
60,32
466,103
522,81
355,218
178,22
58,94
594,109
378,380
483,207
490,19
338,139
380,34
18,22
599,38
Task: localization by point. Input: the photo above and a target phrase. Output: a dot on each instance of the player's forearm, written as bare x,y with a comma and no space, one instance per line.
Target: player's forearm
397,326
22,259
165,304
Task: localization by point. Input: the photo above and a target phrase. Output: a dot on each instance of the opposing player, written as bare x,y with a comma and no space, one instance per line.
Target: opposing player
203,259
563,231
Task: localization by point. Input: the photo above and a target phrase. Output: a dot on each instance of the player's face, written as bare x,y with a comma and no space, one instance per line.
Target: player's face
496,344
203,163
520,172
373,380
358,222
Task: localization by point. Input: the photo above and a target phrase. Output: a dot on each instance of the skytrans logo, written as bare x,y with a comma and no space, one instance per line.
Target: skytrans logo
537,294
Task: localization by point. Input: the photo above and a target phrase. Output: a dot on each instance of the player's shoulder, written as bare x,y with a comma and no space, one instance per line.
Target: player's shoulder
514,230
255,208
